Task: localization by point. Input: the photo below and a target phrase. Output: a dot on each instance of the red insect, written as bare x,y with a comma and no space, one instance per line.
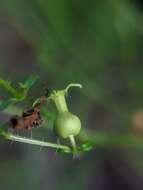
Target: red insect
29,119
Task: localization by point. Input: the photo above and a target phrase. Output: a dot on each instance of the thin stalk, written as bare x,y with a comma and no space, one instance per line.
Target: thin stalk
72,85
74,146
17,138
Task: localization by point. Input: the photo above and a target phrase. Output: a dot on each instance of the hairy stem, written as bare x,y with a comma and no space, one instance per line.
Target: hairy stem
17,138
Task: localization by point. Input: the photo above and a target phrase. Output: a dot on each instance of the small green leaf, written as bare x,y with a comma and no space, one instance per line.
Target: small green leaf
35,102
6,103
63,151
7,85
22,86
86,146
28,83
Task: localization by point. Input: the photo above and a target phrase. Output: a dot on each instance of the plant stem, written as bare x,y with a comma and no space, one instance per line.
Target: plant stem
72,85
60,102
12,137
73,144
58,97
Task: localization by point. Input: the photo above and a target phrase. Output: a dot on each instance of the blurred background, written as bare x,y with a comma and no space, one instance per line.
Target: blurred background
100,45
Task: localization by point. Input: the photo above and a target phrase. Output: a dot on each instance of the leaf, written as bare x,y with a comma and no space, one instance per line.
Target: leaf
86,146
28,83
17,95
7,85
62,151
35,102
4,82
6,103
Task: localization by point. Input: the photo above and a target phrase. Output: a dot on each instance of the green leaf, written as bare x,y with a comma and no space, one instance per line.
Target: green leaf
7,85
6,103
17,95
62,151
35,102
28,83
86,146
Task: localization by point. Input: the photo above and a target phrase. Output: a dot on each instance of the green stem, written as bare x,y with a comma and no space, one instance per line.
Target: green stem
72,85
58,97
12,137
73,144
60,101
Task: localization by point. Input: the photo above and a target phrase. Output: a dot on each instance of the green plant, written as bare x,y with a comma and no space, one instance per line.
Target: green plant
66,124
19,94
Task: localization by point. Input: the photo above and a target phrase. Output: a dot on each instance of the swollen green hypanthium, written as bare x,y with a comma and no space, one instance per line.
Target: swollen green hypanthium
67,124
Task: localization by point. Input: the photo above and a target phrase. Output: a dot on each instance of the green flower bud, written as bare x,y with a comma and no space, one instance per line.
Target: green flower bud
67,124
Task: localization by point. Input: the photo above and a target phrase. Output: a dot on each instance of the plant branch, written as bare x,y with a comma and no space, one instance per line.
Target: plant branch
21,139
